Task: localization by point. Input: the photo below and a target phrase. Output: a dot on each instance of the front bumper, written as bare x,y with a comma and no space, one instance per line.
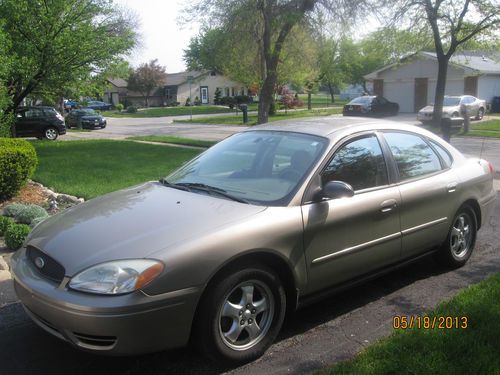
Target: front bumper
132,323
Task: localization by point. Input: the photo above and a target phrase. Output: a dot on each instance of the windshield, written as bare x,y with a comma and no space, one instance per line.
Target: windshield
362,100
261,167
88,111
451,101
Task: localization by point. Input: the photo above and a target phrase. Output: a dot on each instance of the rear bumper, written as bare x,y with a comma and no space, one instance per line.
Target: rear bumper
134,323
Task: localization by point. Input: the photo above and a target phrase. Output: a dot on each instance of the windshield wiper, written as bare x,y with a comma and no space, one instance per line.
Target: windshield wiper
211,189
164,182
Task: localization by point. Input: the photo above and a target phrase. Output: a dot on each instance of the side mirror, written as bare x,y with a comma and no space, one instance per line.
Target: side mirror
335,190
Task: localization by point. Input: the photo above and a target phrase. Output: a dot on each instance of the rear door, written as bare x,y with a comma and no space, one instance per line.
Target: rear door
347,237
428,188
29,122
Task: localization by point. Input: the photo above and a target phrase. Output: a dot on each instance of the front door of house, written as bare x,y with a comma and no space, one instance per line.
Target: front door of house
204,94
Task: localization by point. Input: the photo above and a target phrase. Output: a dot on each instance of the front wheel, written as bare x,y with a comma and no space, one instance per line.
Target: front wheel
459,244
241,315
51,134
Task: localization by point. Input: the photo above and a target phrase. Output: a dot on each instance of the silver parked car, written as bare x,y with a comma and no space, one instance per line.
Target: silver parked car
258,225
452,108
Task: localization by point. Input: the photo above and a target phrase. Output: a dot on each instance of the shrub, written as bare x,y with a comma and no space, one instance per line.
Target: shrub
12,209
131,109
30,212
37,221
243,99
228,101
15,235
119,107
18,161
6,122
217,96
5,223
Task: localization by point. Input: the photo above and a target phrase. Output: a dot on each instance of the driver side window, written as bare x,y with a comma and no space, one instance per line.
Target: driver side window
360,163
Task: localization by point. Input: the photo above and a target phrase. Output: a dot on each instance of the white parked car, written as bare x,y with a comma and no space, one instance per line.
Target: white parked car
451,108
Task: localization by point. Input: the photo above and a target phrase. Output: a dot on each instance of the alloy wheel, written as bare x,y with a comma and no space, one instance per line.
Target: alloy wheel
461,236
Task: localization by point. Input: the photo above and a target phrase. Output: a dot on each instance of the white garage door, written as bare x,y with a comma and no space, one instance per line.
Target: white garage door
401,93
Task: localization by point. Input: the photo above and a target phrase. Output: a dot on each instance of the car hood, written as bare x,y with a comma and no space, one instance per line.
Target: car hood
132,223
448,108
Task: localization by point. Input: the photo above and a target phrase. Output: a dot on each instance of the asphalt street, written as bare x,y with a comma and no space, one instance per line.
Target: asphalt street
313,338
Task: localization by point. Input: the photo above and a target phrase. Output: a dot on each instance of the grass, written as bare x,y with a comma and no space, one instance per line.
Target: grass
91,168
172,139
170,111
322,100
252,118
474,350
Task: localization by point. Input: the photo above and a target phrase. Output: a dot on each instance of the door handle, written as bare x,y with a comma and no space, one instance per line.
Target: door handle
388,205
451,187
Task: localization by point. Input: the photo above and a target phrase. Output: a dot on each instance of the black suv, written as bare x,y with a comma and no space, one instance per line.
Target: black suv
40,122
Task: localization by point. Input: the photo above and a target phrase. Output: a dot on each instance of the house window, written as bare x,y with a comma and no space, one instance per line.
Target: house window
226,91
232,91
168,94
242,91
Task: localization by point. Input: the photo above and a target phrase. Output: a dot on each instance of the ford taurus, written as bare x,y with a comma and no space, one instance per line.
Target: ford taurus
256,226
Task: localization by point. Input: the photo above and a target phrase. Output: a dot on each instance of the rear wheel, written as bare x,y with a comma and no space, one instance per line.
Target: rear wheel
241,315
480,114
51,133
459,244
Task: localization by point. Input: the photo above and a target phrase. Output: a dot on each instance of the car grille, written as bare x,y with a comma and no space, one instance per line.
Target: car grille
45,265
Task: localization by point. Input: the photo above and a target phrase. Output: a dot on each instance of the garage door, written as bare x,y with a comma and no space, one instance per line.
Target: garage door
401,93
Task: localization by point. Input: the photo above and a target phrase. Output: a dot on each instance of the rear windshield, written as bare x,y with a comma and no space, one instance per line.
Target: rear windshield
361,100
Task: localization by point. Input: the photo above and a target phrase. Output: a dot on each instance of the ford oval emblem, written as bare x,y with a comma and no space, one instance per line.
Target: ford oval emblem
39,262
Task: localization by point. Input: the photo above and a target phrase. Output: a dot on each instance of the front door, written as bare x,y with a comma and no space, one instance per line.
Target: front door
378,87
204,94
470,86
347,237
420,94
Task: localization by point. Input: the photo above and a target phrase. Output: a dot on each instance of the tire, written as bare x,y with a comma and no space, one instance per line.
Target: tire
50,133
480,114
455,114
240,315
459,244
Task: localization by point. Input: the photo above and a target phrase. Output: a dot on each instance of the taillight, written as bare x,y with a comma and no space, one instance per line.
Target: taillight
492,170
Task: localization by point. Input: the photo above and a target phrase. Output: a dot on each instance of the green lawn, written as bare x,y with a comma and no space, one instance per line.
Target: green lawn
322,100
252,118
170,111
172,139
474,350
91,168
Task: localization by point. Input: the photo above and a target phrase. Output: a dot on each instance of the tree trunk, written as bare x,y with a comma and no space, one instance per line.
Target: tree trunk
309,100
437,115
266,97
330,89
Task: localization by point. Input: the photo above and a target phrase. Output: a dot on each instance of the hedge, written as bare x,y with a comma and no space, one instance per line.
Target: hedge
18,162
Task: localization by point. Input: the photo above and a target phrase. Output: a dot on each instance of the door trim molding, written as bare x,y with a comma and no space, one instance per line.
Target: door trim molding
423,226
352,249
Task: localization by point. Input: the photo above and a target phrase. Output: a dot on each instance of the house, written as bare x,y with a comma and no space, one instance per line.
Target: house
179,87
412,81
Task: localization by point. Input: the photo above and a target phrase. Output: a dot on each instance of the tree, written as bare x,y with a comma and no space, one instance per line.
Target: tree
56,42
452,24
146,78
264,26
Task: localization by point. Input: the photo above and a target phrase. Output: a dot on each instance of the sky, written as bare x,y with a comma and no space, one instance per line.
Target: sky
162,38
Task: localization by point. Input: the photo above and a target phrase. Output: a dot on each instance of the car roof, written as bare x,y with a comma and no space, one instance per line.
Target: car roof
331,126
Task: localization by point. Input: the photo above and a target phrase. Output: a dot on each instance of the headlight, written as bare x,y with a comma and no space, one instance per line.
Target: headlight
117,277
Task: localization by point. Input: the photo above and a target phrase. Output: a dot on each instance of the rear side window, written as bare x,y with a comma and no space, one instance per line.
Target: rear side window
360,163
445,156
413,156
